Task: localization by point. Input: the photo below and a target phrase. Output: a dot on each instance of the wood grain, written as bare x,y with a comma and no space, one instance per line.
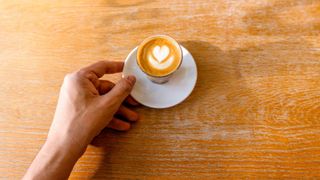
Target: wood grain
253,114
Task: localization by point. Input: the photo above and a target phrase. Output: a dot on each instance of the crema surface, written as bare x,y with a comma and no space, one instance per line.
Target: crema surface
159,56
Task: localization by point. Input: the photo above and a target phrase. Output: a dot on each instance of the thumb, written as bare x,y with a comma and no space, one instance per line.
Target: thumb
122,89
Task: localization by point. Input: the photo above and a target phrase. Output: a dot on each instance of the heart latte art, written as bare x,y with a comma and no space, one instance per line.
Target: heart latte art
159,56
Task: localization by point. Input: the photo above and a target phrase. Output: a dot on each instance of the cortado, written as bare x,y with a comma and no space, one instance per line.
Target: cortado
159,56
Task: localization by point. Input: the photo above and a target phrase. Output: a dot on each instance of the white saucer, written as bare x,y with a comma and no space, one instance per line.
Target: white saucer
164,95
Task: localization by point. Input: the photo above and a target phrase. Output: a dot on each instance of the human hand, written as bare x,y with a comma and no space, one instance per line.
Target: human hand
88,104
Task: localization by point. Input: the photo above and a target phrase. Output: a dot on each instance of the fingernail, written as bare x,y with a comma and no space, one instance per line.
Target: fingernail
131,78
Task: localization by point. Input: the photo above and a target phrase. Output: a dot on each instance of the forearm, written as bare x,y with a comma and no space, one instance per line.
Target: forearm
55,160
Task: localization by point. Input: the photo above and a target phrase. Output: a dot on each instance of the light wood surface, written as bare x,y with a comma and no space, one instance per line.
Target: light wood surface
255,111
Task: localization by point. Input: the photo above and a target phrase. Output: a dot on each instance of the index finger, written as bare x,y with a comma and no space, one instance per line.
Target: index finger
104,67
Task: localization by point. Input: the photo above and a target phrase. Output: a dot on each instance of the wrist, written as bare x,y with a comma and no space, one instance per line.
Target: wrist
65,145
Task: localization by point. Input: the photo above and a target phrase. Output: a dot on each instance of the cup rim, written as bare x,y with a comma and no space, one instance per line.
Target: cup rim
166,37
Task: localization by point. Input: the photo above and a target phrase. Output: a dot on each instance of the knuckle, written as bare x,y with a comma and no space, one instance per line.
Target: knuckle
90,75
81,72
71,77
68,77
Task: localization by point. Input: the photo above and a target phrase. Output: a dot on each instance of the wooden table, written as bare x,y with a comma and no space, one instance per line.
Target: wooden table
255,111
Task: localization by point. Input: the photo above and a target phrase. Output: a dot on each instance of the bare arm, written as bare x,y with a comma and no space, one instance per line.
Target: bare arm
86,106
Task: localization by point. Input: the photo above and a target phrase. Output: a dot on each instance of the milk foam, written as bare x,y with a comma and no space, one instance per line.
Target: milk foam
158,65
160,57
161,53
